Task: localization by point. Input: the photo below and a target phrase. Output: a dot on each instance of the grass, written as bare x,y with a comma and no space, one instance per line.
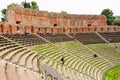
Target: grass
113,73
105,49
74,48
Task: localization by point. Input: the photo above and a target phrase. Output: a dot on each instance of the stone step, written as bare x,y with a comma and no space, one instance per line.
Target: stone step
3,75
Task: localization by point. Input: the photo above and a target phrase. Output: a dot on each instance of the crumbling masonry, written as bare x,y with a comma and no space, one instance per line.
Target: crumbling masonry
20,20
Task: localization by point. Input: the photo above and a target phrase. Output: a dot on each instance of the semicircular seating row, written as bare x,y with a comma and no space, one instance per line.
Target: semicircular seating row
79,62
17,62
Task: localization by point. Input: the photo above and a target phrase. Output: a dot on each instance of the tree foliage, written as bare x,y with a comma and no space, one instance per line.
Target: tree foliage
109,15
64,13
3,11
26,5
116,21
32,5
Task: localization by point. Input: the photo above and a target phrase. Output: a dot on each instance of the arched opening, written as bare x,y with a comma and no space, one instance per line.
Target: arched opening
70,29
89,25
108,29
63,29
18,28
25,30
55,25
38,31
46,30
51,30
82,29
101,29
18,22
114,28
10,29
2,30
76,29
88,29
32,29
95,29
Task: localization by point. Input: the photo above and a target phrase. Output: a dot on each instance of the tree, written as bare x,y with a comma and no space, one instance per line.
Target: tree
109,15
3,11
64,13
26,4
32,5
116,21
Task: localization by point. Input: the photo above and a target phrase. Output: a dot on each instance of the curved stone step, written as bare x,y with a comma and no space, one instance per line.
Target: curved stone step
9,52
3,53
9,56
11,72
3,75
29,61
23,58
16,57
21,72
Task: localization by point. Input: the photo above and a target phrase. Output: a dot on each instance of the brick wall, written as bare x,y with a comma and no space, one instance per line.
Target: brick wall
51,19
6,28
19,20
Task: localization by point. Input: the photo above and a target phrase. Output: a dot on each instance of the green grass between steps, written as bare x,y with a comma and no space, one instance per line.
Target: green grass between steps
105,49
113,73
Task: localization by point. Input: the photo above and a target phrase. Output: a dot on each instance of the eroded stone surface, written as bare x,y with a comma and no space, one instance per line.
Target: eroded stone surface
21,20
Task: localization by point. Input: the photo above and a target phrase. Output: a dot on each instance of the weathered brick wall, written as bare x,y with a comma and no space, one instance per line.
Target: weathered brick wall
19,20
9,28
49,19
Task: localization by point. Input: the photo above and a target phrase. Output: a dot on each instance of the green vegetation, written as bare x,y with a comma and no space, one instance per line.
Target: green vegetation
116,21
109,15
105,49
79,52
3,11
64,13
32,5
46,50
112,73
73,47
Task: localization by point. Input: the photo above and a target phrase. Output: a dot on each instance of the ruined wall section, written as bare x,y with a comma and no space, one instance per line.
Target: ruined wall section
10,15
32,17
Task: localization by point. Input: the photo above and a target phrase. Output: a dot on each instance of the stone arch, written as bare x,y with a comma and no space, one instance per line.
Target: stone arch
108,29
1,28
32,29
114,28
70,29
10,29
18,22
55,25
102,29
89,25
76,29
63,29
51,30
82,29
95,29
